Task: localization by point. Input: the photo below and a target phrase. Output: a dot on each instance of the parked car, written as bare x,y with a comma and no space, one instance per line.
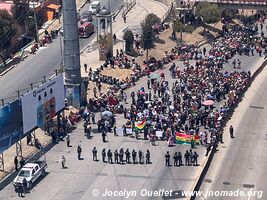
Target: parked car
94,7
86,29
31,172
86,17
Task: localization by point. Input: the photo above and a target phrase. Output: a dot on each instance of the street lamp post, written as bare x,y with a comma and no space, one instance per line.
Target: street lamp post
60,41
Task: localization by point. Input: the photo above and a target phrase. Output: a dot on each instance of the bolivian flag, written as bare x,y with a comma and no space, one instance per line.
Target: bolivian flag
140,125
183,138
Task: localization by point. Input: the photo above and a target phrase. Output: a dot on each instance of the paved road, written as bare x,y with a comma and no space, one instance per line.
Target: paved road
114,6
44,62
240,163
82,177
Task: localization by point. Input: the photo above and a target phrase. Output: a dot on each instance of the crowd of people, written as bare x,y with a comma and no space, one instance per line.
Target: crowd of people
119,156
178,107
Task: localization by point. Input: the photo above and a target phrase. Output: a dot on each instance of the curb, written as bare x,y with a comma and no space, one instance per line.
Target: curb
7,70
202,176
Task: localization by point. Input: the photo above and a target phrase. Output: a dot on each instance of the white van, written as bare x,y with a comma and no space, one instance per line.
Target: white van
94,7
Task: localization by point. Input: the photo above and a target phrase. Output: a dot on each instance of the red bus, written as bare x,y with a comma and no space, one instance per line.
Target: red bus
86,29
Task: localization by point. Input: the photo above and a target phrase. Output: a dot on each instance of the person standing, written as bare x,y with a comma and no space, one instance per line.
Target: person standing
25,185
191,157
148,83
110,157
147,156
85,68
121,156
128,155
68,140
167,159
94,151
88,132
115,130
29,140
238,64
134,156
79,151
187,158
104,155
116,156
93,117
16,163
234,62
175,159
63,161
179,157
104,136
204,51
20,190
124,18
195,155
22,163
231,130
140,154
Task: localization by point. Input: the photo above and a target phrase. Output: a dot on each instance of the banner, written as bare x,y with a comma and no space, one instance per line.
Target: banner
11,125
140,125
73,95
183,138
41,104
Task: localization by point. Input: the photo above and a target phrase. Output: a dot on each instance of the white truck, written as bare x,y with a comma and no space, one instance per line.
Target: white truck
31,172
94,7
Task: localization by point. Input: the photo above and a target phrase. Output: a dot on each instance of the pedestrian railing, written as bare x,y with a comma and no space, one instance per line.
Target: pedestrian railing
127,6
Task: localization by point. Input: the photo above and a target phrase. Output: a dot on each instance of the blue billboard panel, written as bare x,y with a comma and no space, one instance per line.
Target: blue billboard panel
11,124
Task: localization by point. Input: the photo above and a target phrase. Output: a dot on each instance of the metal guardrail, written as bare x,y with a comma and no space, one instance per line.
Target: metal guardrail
128,7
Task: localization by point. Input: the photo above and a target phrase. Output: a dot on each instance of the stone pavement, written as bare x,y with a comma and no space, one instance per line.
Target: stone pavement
90,54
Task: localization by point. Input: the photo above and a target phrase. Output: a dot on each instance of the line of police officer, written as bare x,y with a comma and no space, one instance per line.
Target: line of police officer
119,156
189,156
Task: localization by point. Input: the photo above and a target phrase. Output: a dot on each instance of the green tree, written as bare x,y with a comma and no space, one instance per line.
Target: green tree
129,39
152,19
210,13
20,10
148,33
179,26
7,30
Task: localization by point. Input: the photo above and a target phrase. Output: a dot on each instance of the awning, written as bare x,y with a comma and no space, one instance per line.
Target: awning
53,6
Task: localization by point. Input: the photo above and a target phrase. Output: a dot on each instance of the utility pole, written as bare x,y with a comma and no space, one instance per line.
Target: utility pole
71,43
35,23
60,42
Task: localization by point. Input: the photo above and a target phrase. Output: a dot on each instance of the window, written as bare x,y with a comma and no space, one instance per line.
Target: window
24,173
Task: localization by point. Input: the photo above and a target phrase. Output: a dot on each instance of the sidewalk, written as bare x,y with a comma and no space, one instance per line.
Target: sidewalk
90,54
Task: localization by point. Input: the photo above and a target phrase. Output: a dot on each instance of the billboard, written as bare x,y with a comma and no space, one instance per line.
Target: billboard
11,125
41,104
76,94
73,95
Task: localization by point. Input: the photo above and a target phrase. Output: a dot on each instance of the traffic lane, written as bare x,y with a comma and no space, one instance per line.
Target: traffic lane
241,162
31,70
114,7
